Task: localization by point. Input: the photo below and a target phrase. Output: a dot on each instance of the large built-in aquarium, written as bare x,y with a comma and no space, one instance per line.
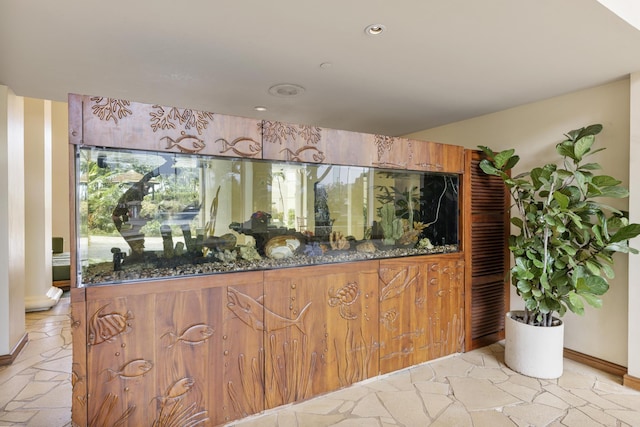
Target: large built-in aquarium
145,215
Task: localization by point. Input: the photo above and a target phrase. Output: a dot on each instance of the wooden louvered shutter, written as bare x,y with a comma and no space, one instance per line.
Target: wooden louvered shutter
486,234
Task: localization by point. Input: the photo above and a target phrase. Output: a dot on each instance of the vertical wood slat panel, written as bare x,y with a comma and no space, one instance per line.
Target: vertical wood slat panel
486,233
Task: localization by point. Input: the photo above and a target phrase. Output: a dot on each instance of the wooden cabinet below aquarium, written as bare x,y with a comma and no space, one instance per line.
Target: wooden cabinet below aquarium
225,346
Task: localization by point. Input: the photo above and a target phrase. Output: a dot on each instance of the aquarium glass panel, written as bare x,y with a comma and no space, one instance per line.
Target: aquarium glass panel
147,215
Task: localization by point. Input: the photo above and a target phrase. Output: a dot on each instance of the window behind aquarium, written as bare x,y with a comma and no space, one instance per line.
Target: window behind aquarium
145,215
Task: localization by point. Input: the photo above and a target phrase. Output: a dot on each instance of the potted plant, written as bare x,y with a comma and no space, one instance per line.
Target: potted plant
563,247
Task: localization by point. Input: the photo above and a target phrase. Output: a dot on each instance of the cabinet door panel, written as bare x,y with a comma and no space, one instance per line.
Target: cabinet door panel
421,304
321,329
403,310
175,356
445,301
121,360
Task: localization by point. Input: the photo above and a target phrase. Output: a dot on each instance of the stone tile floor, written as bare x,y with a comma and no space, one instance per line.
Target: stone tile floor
474,389
35,390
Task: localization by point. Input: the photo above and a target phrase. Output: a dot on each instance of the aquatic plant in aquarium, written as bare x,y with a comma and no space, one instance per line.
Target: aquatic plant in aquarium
145,215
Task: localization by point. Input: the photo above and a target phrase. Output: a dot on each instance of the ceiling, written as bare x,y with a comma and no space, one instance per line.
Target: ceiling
437,62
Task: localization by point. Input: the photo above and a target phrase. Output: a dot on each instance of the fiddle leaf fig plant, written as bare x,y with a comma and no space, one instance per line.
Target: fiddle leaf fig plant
563,252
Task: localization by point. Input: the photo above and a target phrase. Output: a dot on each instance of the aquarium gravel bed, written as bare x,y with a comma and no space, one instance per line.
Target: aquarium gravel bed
156,267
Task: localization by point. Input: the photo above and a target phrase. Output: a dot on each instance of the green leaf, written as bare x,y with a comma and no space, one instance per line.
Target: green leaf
582,146
617,192
625,233
581,179
501,159
562,200
513,160
575,303
608,271
590,166
592,284
604,181
536,173
517,222
592,190
593,267
544,281
488,168
488,151
523,286
565,149
592,300
589,130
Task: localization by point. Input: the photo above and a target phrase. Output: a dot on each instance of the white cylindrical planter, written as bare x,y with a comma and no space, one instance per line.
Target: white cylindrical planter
534,351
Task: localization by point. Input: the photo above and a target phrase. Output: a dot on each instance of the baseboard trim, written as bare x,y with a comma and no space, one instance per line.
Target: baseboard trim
7,359
631,382
594,362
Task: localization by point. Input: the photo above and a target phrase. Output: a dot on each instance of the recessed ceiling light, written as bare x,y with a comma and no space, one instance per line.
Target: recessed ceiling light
326,65
374,29
260,108
286,90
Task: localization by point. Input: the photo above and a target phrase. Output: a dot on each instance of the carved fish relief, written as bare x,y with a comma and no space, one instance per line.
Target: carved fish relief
343,298
307,154
110,109
180,388
177,390
196,334
185,143
133,369
242,146
250,311
398,282
105,327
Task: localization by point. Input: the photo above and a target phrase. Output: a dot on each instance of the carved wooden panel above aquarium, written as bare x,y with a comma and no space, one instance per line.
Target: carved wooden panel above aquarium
309,144
110,122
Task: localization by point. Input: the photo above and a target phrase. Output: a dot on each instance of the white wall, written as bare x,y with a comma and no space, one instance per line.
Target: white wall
12,254
634,214
534,130
60,172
